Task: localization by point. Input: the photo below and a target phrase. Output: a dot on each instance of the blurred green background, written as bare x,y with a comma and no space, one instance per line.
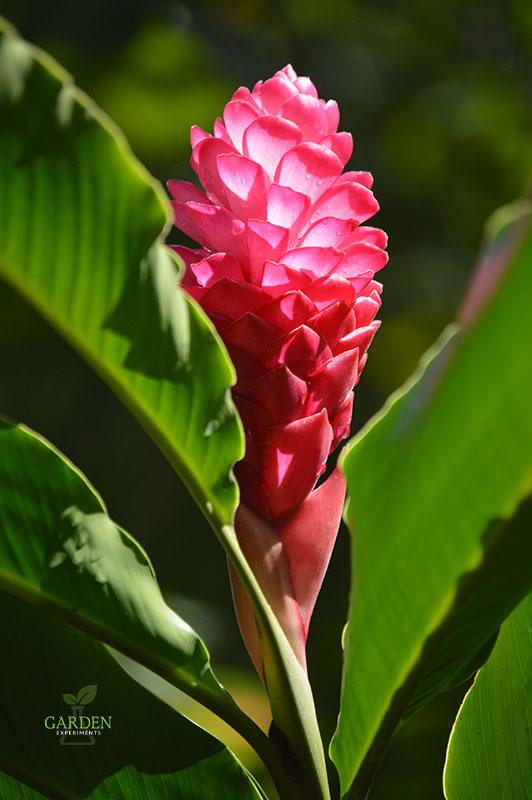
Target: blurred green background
439,99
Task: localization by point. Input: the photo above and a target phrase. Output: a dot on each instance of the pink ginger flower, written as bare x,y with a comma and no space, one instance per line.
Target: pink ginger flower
285,272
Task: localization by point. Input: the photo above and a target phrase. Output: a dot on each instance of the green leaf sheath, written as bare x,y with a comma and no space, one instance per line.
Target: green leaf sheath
490,750
149,751
81,223
433,482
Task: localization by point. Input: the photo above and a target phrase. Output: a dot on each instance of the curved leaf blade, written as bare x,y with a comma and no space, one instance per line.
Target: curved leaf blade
489,752
59,550
148,752
80,238
451,456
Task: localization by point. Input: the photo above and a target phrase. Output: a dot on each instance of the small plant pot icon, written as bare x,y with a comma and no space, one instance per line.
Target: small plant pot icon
75,734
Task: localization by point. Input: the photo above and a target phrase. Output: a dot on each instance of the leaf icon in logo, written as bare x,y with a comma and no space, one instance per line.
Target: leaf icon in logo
70,699
86,695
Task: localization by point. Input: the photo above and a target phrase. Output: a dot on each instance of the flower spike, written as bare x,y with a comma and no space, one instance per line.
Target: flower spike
285,271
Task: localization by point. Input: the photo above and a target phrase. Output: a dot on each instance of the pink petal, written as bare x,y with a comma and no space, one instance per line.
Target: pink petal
315,260
197,292
287,312
294,456
246,185
265,243
238,114
360,257
184,221
273,92
360,281
333,115
189,256
252,332
341,422
251,493
306,86
364,178
308,114
290,72
333,322
346,201
247,367
302,350
243,93
364,233
280,392
329,289
217,228
341,144
197,135
308,168
278,278
219,265
268,138
286,207
328,232
220,131
233,298
254,419
359,339
184,191
219,321
333,381
365,310
308,535
204,163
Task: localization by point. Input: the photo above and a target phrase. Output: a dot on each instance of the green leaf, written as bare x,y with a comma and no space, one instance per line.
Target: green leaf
81,227
489,754
86,695
433,481
60,550
11,789
149,750
70,699
483,602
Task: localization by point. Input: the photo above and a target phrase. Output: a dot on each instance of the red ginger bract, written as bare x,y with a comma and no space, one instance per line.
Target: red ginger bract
285,272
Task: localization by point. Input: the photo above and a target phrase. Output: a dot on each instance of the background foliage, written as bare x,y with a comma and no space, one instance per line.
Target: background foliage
437,96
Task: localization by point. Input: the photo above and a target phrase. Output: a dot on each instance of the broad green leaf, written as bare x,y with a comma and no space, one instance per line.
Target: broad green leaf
11,789
483,602
60,550
80,238
148,752
490,750
81,227
433,482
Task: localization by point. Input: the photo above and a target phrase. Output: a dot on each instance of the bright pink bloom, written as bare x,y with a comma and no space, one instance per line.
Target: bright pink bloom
285,272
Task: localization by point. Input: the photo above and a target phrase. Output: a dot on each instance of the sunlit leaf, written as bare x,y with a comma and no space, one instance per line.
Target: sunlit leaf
81,223
434,481
60,550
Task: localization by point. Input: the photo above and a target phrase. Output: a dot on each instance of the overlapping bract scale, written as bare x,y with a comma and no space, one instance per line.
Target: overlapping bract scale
286,272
